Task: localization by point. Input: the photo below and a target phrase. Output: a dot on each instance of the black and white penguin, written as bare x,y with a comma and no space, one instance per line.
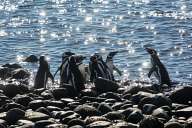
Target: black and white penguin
110,64
64,68
43,74
98,68
158,68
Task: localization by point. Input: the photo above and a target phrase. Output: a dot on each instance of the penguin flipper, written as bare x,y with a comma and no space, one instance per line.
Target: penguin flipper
151,71
117,70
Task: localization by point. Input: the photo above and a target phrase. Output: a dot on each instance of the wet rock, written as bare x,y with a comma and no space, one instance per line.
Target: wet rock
135,117
35,116
128,111
173,125
67,100
185,112
13,115
11,90
99,124
31,58
76,126
104,108
23,100
114,115
43,123
86,110
92,119
148,109
182,95
47,95
5,73
151,122
55,103
117,105
67,119
35,104
73,105
56,126
104,85
59,93
53,108
12,66
74,122
44,110
123,125
3,115
176,106
111,95
12,105
20,73
3,123
25,122
161,113
89,92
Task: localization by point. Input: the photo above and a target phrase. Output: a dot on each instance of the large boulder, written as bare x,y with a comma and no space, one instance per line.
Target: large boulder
20,73
104,85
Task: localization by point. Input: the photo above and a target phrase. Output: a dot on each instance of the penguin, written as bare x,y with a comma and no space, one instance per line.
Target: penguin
109,63
98,68
76,78
158,68
43,74
64,67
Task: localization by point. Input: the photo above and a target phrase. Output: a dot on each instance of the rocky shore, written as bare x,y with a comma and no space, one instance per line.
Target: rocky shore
132,104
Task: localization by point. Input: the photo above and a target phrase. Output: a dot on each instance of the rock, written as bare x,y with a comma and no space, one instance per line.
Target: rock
25,122
185,112
148,109
11,90
173,125
151,122
86,110
59,93
67,119
67,100
103,85
74,122
20,73
13,66
23,100
31,58
5,73
114,115
104,108
111,95
135,117
161,113
43,123
35,104
182,95
88,92
53,108
55,103
12,105
47,95
76,126
3,123
92,119
44,110
56,126
35,116
99,124
13,115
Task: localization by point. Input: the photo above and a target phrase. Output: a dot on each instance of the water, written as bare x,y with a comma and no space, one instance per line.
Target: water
50,27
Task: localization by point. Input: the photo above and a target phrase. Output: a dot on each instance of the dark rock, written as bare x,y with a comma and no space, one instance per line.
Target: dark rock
185,112
125,106
148,109
104,85
74,122
23,100
31,58
43,123
104,108
135,117
13,66
117,105
25,122
114,115
56,126
86,110
53,108
111,95
99,124
20,73
67,100
12,105
182,95
151,122
67,119
59,93
44,110
110,101
161,113
35,104
47,95
55,103
5,72
92,119
89,92
11,90
13,115
35,116
73,105
173,125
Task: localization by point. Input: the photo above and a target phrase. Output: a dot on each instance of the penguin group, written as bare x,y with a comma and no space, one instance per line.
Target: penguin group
76,74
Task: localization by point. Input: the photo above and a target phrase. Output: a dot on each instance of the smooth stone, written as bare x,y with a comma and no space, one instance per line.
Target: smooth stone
151,122
56,126
67,119
92,119
22,99
53,108
74,122
25,122
44,110
59,93
63,114
3,123
35,116
13,115
11,90
135,117
67,100
173,125
3,115
104,85
125,106
76,126
185,112
161,113
123,125
114,115
182,95
5,73
20,73
148,109
88,92
35,104
86,110
104,108
14,66
55,103
111,95
43,123
99,124
47,95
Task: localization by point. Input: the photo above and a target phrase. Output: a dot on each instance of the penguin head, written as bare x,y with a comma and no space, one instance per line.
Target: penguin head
112,54
151,51
98,56
79,58
93,58
41,59
67,54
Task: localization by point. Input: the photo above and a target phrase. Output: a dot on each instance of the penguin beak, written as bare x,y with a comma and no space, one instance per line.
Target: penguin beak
149,50
113,53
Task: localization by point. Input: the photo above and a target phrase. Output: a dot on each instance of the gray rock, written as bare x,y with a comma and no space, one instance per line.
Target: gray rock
23,100
35,116
99,124
114,115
